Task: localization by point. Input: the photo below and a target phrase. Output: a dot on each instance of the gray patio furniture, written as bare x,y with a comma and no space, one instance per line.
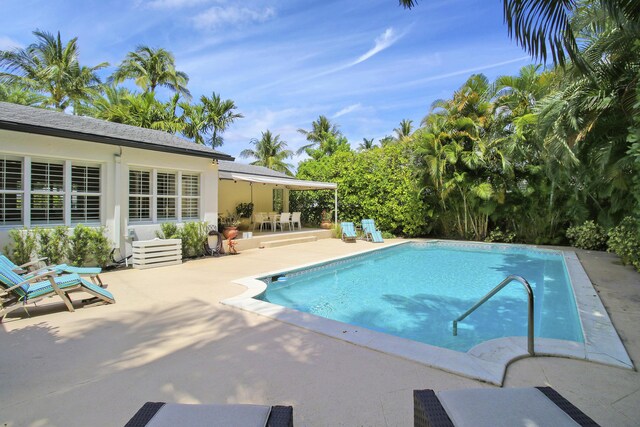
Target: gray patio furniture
161,414
513,407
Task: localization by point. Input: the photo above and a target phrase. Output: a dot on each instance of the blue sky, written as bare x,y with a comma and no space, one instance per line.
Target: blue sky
366,64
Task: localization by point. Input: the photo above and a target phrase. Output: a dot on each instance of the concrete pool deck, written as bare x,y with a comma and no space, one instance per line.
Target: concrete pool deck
169,339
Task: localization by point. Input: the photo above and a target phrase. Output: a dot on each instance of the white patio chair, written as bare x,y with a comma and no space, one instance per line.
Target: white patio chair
285,219
295,219
262,219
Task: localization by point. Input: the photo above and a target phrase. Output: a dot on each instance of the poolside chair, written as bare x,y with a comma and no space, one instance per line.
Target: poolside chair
348,232
17,292
539,406
285,219
296,219
370,232
175,414
23,270
262,219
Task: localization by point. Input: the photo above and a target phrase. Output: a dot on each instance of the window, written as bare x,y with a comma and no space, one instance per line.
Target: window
47,193
85,194
139,195
11,192
166,185
190,196
158,196
278,199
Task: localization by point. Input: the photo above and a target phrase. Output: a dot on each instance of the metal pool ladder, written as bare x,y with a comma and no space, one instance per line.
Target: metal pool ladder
505,282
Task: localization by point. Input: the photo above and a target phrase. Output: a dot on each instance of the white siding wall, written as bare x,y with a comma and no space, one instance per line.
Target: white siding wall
115,163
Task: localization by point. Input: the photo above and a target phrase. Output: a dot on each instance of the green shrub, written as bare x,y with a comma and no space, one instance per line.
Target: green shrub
336,231
169,230
79,248
194,235
100,246
624,240
23,246
53,243
587,236
387,235
499,236
244,210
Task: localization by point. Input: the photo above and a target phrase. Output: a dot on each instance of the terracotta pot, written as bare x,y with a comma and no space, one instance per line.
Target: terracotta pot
230,232
326,225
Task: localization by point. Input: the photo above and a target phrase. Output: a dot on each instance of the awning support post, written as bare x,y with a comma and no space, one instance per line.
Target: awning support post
335,208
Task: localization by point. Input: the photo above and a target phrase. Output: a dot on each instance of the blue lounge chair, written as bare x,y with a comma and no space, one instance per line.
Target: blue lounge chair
348,231
17,292
370,232
23,270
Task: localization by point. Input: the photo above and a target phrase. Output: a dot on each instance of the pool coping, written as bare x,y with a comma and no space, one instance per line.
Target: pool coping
487,361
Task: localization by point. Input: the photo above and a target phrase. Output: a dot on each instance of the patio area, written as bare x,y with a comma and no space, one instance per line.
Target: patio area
169,339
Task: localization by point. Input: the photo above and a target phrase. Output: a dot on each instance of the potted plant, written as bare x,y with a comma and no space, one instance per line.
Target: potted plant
244,212
325,221
230,225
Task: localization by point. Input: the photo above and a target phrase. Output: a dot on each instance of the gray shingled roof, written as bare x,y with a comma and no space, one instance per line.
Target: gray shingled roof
47,122
234,167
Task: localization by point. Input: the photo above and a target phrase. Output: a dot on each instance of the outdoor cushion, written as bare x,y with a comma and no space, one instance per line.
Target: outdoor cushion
176,414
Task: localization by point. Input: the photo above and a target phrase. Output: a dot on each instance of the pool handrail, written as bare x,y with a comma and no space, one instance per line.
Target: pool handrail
505,282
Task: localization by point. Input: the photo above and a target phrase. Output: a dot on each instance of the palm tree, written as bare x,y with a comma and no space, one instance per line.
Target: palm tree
151,68
404,130
17,94
543,27
51,67
270,152
321,130
219,114
366,144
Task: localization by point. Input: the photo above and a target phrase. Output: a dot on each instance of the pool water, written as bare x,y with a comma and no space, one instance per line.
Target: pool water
415,290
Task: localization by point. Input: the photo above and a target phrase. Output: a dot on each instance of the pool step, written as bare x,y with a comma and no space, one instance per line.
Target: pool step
284,242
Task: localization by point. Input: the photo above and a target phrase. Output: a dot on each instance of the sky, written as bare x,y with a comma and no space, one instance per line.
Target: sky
365,64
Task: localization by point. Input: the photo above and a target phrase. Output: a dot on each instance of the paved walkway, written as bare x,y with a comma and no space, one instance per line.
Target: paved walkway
169,339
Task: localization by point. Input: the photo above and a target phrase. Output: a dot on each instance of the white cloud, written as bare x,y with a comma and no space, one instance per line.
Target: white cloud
385,40
347,110
7,43
218,16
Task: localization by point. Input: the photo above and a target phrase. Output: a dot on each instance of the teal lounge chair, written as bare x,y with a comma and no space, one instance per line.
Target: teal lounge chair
16,291
370,232
348,232
23,270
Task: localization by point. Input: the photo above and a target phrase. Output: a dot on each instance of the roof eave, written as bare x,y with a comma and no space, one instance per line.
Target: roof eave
63,133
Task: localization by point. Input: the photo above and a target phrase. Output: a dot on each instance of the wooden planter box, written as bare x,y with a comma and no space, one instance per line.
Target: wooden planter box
156,253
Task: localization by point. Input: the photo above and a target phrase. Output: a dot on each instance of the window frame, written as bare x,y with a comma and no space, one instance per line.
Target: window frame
154,195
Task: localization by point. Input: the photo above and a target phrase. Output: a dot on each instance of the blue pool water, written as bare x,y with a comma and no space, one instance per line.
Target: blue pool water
415,290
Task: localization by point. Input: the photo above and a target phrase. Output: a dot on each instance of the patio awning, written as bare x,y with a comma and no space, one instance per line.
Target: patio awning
289,183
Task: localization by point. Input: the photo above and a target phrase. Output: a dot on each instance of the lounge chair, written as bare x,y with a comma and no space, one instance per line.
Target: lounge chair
261,218
17,292
162,414
539,406
23,270
370,232
348,232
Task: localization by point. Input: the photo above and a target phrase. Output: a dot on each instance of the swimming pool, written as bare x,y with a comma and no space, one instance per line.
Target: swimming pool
411,320
415,290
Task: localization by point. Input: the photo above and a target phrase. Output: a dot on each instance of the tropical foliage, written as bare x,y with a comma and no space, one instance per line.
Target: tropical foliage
48,74
270,152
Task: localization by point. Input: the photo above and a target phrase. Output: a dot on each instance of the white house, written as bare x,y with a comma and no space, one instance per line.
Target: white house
60,169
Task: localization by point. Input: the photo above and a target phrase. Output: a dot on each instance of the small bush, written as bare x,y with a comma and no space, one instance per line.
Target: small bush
194,235
23,246
100,246
624,240
336,231
244,210
500,236
79,245
53,244
587,236
387,235
168,230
